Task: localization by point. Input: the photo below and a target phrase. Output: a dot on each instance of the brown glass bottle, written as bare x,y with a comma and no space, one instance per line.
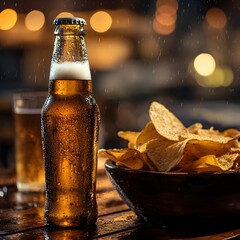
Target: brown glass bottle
70,126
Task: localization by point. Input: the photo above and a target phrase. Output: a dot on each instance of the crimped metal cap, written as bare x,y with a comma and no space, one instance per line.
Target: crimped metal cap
78,21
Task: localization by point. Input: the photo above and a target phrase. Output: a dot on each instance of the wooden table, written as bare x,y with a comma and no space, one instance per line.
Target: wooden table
22,217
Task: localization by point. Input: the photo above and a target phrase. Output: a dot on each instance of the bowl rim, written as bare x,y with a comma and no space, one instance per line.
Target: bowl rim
110,164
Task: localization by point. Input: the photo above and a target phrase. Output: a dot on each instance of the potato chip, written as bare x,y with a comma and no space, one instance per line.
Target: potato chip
207,163
119,154
147,134
209,134
196,149
222,163
151,166
171,128
130,158
166,124
231,133
226,161
195,127
133,162
165,144
112,154
130,136
164,154
200,148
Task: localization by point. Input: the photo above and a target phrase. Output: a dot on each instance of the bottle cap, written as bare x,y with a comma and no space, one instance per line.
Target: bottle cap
78,21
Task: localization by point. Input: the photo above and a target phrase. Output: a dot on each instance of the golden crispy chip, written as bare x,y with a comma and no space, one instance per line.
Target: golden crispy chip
208,161
171,128
151,166
206,164
210,134
236,164
235,149
112,154
221,163
166,124
147,134
196,149
164,154
231,132
133,162
104,154
130,158
195,127
117,154
130,136
200,148
226,161
206,134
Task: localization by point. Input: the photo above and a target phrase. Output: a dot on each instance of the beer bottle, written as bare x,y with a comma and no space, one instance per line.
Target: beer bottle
70,125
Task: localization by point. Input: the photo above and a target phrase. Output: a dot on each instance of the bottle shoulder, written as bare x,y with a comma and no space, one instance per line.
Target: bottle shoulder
73,103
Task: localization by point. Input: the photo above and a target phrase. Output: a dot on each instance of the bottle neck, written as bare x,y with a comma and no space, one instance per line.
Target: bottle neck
69,48
69,59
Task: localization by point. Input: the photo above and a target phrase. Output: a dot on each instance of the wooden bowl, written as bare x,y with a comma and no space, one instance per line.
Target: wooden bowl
178,197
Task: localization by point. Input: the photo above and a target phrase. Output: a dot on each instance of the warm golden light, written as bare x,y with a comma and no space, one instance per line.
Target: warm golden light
8,19
221,77
165,16
228,76
101,21
216,18
34,20
167,9
204,64
162,29
65,15
109,52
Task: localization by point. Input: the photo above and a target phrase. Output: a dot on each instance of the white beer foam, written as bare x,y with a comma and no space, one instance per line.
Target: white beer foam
70,70
19,110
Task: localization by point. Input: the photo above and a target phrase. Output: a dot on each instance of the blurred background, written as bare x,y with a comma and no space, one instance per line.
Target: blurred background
184,54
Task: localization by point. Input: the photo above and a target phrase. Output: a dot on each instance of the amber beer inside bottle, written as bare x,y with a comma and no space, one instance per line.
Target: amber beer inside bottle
70,123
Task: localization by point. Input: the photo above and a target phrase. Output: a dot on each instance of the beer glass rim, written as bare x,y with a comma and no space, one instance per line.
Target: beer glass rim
28,101
29,94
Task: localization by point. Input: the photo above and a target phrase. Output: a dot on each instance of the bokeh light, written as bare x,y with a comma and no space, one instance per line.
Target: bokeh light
216,18
204,64
34,20
165,19
162,29
65,15
109,52
221,77
8,19
101,21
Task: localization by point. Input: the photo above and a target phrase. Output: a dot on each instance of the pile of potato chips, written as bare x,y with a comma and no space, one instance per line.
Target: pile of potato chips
165,145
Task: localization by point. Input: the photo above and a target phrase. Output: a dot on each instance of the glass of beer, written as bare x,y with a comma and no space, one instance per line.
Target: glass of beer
28,141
